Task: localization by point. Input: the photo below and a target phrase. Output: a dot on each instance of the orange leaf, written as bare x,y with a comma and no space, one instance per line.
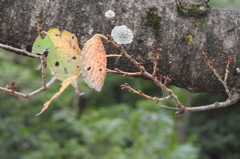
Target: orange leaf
65,83
93,62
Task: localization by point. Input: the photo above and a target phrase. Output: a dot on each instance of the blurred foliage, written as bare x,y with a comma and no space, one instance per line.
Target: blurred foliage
217,131
109,124
230,4
118,131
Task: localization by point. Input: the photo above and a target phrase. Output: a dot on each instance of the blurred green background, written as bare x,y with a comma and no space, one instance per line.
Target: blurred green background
112,124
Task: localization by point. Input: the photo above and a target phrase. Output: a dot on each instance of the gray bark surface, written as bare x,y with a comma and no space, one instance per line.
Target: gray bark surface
182,35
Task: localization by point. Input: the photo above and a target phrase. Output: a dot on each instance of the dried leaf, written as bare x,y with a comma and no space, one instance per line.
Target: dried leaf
64,84
94,63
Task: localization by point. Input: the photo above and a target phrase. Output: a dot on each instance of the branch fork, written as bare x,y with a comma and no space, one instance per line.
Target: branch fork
162,81
44,87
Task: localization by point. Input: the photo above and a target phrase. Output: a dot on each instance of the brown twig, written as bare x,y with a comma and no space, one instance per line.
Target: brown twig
124,53
12,87
19,50
210,65
116,70
158,80
229,61
159,51
114,55
232,100
130,89
180,107
39,29
166,80
44,86
43,64
28,95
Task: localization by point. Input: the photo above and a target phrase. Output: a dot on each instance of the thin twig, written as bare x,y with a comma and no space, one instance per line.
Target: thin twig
130,89
166,107
114,55
77,90
116,70
39,29
12,87
28,95
181,107
19,50
229,61
124,53
158,80
44,86
210,65
43,62
156,62
232,100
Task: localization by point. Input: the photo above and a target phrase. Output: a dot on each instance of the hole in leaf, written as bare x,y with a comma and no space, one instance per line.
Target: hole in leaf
89,68
56,34
57,64
54,73
74,58
77,66
45,53
65,71
100,69
38,45
72,37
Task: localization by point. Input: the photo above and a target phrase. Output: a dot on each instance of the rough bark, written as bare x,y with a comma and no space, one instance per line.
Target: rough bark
183,30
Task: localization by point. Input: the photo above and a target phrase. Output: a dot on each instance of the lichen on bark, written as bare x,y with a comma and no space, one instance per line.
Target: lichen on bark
152,19
192,9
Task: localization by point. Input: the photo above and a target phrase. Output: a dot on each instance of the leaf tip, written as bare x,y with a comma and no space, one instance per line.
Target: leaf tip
45,106
39,113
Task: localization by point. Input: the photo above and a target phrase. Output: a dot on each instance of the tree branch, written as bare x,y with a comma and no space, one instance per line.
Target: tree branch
224,82
13,49
44,87
182,33
158,82
181,109
28,95
230,101
130,89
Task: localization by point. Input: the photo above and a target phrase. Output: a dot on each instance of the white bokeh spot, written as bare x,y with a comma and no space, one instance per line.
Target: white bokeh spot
122,35
238,70
109,14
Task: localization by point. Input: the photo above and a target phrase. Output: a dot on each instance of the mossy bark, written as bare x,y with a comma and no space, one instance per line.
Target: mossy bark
181,36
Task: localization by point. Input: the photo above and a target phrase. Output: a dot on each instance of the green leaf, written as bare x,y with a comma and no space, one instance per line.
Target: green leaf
63,57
